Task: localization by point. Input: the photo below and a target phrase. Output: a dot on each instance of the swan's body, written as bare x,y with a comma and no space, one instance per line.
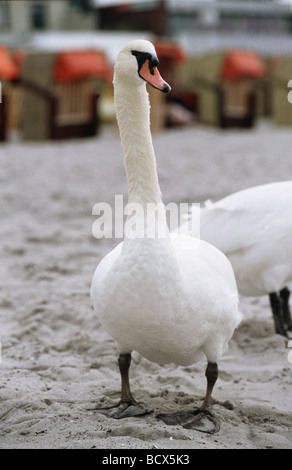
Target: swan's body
253,227
162,301
168,303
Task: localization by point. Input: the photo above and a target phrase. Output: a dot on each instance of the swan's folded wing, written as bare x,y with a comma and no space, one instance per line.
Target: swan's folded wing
249,217
232,230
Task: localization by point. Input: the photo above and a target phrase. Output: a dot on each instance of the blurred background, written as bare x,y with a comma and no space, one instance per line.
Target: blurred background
229,63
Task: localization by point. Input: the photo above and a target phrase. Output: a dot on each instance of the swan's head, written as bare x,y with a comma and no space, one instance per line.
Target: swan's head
137,63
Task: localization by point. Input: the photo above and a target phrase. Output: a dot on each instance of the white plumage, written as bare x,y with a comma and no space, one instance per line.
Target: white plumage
253,227
168,303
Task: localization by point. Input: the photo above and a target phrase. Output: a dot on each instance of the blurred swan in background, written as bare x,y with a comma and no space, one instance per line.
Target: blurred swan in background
253,227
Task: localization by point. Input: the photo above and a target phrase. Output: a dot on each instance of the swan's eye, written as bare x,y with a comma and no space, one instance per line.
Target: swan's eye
154,61
141,59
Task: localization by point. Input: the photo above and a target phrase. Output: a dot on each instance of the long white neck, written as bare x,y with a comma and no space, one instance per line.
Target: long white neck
133,116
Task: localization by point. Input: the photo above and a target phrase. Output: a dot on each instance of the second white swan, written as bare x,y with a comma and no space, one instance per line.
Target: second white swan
253,227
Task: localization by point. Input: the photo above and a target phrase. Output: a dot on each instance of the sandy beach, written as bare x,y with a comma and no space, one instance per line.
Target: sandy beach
57,362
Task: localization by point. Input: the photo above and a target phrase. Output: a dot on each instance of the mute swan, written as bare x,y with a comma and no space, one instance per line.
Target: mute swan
171,304
253,227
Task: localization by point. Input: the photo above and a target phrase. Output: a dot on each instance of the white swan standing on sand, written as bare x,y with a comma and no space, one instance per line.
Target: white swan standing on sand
172,305
253,227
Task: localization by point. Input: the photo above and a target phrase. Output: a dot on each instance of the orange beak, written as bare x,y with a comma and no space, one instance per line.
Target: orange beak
151,75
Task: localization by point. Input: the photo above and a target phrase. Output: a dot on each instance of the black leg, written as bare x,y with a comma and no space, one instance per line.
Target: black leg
124,366
212,376
127,407
201,419
285,294
276,305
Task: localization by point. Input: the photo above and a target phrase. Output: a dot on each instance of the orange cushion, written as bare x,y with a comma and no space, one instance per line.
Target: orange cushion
74,65
8,69
242,64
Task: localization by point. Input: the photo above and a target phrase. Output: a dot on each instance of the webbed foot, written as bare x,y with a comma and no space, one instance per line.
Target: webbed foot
124,410
201,420
127,407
